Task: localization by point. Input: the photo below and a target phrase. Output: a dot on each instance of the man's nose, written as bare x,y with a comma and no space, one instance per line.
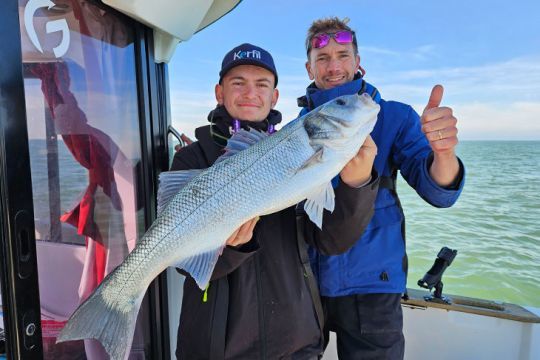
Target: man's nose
250,90
333,65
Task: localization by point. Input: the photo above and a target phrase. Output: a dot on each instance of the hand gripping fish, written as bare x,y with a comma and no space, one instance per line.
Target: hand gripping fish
199,209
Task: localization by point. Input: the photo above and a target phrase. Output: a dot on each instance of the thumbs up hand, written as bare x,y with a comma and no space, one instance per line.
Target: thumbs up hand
439,124
439,127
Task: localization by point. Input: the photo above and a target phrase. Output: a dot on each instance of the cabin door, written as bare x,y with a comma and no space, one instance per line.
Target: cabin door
74,174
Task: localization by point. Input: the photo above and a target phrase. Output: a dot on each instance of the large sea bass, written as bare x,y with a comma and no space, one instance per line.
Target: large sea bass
258,175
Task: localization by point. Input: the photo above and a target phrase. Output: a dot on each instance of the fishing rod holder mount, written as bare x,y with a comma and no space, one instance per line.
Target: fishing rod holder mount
433,278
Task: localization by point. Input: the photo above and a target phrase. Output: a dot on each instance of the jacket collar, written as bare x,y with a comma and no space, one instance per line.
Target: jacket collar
221,122
315,97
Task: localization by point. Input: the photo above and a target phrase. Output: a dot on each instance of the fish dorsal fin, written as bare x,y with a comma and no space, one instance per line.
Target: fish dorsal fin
313,159
202,266
322,199
170,183
241,140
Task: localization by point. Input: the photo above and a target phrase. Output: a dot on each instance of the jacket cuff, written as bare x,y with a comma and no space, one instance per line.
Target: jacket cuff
251,246
232,255
370,184
232,258
447,195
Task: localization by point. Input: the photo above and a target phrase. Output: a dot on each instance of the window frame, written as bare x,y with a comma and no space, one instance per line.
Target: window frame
20,295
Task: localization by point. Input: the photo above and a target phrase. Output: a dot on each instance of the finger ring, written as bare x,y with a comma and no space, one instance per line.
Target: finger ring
440,134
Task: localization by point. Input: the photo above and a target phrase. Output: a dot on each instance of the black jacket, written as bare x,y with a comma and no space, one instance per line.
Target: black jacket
258,305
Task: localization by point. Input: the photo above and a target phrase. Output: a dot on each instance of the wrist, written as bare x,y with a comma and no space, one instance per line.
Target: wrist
368,180
444,155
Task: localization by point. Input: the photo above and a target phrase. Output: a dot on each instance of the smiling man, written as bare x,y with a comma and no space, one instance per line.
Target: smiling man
241,101
361,289
261,303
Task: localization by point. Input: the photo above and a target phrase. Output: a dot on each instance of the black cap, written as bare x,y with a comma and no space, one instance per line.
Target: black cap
247,54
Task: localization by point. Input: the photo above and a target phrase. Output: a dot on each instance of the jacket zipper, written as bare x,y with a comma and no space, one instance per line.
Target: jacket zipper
260,300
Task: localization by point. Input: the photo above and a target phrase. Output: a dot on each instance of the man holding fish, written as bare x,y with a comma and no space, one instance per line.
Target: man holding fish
362,288
259,304
230,221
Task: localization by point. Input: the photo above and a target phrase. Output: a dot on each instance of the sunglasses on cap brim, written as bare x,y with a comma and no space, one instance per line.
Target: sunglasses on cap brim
341,37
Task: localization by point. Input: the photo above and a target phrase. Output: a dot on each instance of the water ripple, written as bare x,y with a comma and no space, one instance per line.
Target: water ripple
494,225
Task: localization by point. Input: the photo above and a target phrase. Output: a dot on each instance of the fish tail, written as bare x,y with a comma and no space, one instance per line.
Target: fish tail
112,323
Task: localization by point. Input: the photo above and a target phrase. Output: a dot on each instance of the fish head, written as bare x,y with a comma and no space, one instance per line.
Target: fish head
343,123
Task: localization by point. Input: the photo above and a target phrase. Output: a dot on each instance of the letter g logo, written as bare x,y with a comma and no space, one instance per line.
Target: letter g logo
52,26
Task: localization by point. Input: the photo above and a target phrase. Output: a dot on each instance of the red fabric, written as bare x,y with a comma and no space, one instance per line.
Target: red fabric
92,148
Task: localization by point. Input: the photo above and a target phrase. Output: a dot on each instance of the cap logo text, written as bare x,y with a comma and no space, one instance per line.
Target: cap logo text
253,54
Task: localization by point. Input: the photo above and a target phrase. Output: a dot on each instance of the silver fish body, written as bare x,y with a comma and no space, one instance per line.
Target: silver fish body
280,171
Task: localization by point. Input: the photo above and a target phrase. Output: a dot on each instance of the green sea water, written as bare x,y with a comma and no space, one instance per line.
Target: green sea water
495,225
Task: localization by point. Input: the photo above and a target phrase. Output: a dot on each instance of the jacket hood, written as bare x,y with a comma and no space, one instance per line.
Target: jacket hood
315,97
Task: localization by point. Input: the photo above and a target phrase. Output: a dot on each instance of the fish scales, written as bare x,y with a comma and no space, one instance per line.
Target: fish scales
280,171
205,200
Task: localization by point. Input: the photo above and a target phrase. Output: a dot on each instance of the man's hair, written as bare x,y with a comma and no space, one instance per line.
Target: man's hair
325,25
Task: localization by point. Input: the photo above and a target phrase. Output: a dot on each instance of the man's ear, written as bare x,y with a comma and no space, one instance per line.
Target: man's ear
308,68
358,62
275,97
219,94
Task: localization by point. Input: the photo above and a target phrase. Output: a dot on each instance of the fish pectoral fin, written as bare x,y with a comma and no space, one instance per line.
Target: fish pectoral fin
313,159
170,183
241,140
322,199
201,266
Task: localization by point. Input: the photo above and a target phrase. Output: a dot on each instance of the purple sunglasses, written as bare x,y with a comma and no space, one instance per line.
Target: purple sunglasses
341,37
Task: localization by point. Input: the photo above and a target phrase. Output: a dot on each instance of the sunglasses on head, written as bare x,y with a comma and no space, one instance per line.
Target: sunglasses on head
341,37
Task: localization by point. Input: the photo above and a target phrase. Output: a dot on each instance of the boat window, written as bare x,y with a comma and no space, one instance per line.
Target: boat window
85,154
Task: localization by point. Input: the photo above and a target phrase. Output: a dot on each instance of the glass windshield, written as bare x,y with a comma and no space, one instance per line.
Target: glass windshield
85,151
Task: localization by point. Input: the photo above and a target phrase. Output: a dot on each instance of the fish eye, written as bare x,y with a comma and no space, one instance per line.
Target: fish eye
340,102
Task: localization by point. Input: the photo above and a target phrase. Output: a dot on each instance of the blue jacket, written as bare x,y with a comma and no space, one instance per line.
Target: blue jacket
378,262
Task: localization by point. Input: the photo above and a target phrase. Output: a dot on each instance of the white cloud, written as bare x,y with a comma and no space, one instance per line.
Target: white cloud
376,51
495,121
190,108
420,53
184,101
517,79
493,101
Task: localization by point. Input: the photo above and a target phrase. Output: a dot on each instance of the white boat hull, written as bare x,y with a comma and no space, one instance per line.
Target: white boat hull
438,333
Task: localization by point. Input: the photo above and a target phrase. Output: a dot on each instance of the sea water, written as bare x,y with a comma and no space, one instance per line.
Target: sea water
494,226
